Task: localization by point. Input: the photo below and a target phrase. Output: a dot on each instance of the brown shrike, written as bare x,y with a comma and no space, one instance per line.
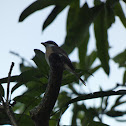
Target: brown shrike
52,47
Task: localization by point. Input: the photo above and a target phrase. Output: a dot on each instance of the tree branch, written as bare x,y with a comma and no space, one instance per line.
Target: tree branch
6,104
8,81
41,113
96,95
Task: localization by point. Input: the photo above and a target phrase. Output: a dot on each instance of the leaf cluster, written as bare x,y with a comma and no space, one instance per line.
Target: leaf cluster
35,79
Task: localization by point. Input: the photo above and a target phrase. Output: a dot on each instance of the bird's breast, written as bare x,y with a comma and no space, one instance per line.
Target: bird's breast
47,54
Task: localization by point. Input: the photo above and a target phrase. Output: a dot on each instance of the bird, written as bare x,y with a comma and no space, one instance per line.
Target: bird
52,47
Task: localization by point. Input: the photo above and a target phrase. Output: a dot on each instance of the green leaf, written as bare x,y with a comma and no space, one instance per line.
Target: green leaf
1,91
106,102
121,59
33,74
100,28
18,106
78,24
73,89
30,75
83,52
54,119
87,66
90,59
124,78
95,69
68,78
30,9
124,1
94,123
24,68
92,70
29,101
75,113
12,79
35,88
52,15
114,113
119,12
41,4
121,120
73,14
25,120
56,116
4,120
40,61
117,102
16,86
110,15
62,99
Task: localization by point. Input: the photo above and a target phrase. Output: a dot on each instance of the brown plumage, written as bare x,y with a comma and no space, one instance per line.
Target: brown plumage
52,47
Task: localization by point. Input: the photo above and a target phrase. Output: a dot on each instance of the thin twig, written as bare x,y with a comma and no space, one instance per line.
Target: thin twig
6,105
92,96
8,81
22,58
96,95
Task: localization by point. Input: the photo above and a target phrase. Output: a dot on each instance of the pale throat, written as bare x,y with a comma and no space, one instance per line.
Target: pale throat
47,54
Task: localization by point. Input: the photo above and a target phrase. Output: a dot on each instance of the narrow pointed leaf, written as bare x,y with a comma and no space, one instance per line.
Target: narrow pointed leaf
4,119
78,27
83,52
114,113
40,4
92,70
27,76
93,123
118,102
40,61
124,1
91,58
30,9
124,77
1,91
119,12
25,120
110,16
121,120
12,79
100,27
52,15
121,59
16,86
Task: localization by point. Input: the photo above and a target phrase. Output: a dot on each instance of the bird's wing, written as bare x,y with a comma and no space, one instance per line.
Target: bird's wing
59,50
64,57
68,64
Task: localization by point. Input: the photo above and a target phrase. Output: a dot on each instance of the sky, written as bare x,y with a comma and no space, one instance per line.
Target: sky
26,36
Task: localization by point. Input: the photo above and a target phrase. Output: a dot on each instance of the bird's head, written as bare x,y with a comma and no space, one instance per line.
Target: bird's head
49,44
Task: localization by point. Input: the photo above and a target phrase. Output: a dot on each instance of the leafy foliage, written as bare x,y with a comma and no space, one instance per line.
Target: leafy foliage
35,79
1,91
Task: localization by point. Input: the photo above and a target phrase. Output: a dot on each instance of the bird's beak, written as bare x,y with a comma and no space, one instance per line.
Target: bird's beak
43,43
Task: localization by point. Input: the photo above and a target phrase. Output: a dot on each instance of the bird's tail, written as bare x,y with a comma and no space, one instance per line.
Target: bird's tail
80,78
82,81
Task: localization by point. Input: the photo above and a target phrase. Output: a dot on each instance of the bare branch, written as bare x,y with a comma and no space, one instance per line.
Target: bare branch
10,114
96,95
8,82
41,113
6,105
